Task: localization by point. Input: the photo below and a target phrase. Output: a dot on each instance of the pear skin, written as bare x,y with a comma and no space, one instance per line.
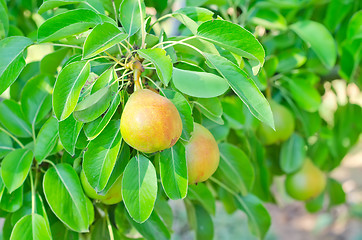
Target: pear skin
202,155
284,125
150,122
306,183
113,196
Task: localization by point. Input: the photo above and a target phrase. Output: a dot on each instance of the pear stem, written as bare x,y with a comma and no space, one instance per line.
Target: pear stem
137,71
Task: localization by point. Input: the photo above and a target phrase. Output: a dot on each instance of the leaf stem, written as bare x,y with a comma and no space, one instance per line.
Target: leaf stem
158,20
115,11
223,186
109,225
128,44
32,192
33,133
114,59
127,49
173,42
12,136
64,45
155,85
190,46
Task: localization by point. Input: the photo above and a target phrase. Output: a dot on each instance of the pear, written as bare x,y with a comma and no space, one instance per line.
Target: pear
113,196
202,155
306,183
150,122
284,125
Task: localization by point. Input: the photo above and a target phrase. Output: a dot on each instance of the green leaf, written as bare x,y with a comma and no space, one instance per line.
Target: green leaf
290,59
30,70
61,232
69,130
102,37
234,38
94,128
189,16
323,45
197,14
6,145
316,204
100,230
236,168
336,193
82,141
4,19
104,80
51,4
161,61
36,99
199,84
232,106
67,24
121,163
268,18
336,12
184,110
7,227
211,108
203,195
46,139
139,188
12,61
130,15
31,227
170,51
173,171
153,228
292,154
15,168
244,87
90,209
304,93
13,119
164,211
258,216
121,218
100,158
26,209
67,88
93,106
64,194
11,202
50,63
354,30
204,224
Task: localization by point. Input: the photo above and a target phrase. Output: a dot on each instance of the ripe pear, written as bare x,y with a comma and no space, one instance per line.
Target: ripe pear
284,125
113,196
150,122
202,155
306,183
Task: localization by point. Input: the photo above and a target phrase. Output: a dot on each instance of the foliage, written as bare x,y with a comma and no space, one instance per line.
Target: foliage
68,67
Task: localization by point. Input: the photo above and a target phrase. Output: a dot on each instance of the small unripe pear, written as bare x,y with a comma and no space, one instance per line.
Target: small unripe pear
113,196
150,122
306,183
284,125
202,155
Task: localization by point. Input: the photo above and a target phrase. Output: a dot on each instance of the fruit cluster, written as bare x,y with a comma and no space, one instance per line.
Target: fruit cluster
151,123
